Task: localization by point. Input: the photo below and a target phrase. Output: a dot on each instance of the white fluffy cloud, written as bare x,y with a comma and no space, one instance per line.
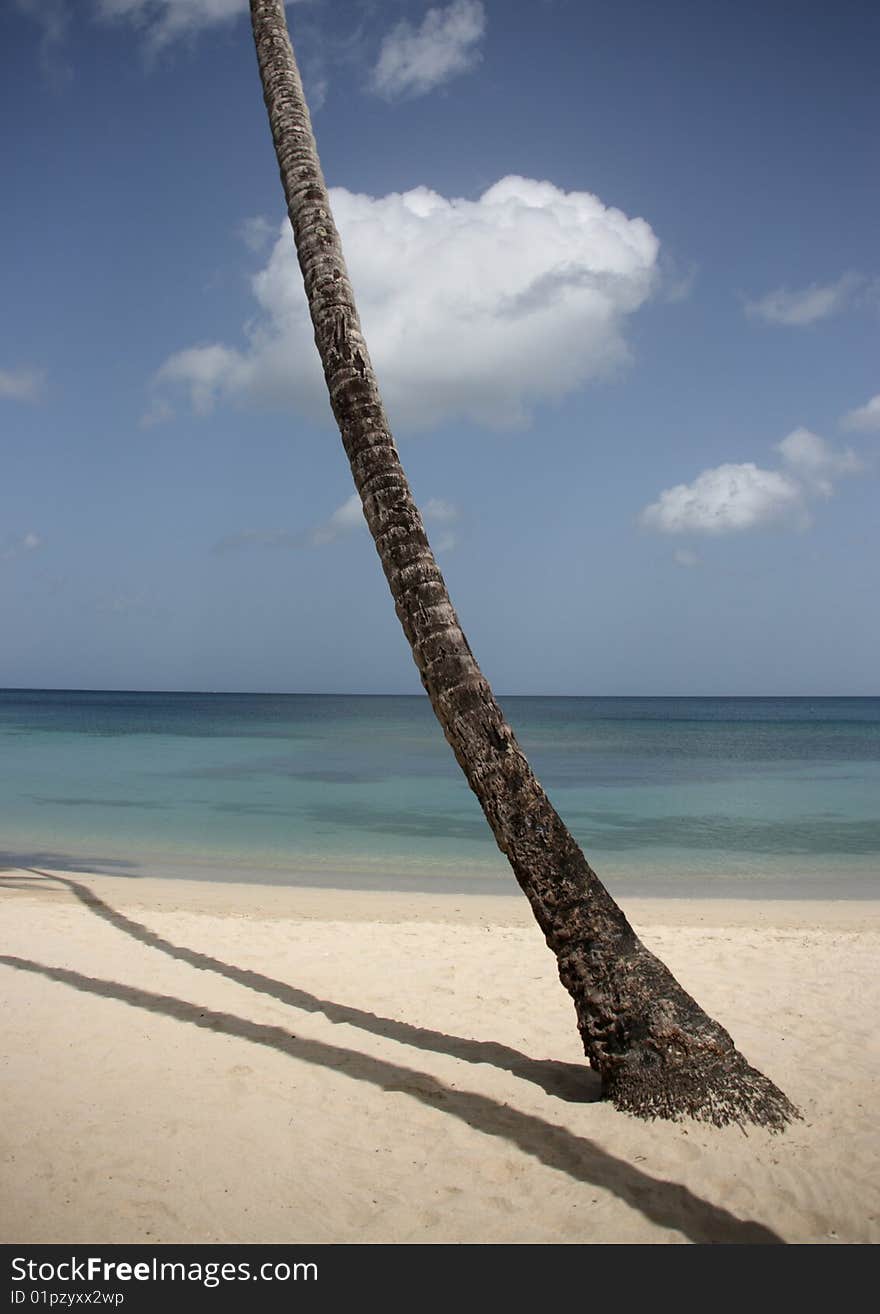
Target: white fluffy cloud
476,308
812,303
725,499
413,61
865,419
22,384
735,497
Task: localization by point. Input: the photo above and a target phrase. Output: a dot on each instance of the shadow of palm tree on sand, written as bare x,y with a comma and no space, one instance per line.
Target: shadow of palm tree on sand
668,1204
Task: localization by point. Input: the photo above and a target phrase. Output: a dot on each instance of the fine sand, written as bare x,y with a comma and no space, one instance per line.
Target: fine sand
198,1062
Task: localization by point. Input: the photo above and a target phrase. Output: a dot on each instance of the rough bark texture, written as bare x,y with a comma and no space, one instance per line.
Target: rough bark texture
657,1052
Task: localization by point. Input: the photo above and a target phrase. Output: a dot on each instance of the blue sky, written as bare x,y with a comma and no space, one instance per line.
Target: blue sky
616,265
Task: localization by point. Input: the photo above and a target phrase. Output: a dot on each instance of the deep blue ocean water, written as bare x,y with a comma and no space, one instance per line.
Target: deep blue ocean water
755,796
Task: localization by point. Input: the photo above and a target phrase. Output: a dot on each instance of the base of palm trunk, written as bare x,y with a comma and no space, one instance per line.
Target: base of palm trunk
718,1088
658,1054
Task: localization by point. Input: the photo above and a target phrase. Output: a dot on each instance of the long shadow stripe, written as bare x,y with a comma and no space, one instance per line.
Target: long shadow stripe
669,1204
570,1081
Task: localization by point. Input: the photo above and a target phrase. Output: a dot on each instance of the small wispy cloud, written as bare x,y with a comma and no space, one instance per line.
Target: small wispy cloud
864,419
123,604
159,22
684,557
20,545
23,385
257,232
347,519
159,412
736,497
413,61
206,371
676,281
815,462
164,21
808,305
316,85
344,520
53,17
265,538
445,516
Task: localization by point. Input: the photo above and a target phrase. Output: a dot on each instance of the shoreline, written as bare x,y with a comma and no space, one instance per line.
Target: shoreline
798,881
197,1062
451,903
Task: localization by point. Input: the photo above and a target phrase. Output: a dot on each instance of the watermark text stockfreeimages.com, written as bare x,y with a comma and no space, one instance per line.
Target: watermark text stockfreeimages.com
97,1269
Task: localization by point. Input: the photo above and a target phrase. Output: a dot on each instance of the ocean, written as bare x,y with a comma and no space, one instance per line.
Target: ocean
759,797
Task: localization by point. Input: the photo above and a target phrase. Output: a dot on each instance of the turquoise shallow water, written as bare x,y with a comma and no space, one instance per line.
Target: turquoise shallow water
716,796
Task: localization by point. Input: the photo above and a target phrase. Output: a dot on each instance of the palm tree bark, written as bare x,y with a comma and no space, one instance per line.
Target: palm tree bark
658,1054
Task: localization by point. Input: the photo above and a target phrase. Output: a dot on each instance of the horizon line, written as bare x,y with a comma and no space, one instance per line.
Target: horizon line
348,693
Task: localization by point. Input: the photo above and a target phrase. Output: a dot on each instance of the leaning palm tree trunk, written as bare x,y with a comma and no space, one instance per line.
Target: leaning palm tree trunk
658,1054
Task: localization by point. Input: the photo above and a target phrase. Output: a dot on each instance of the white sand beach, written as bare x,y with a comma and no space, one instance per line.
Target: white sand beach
187,1061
